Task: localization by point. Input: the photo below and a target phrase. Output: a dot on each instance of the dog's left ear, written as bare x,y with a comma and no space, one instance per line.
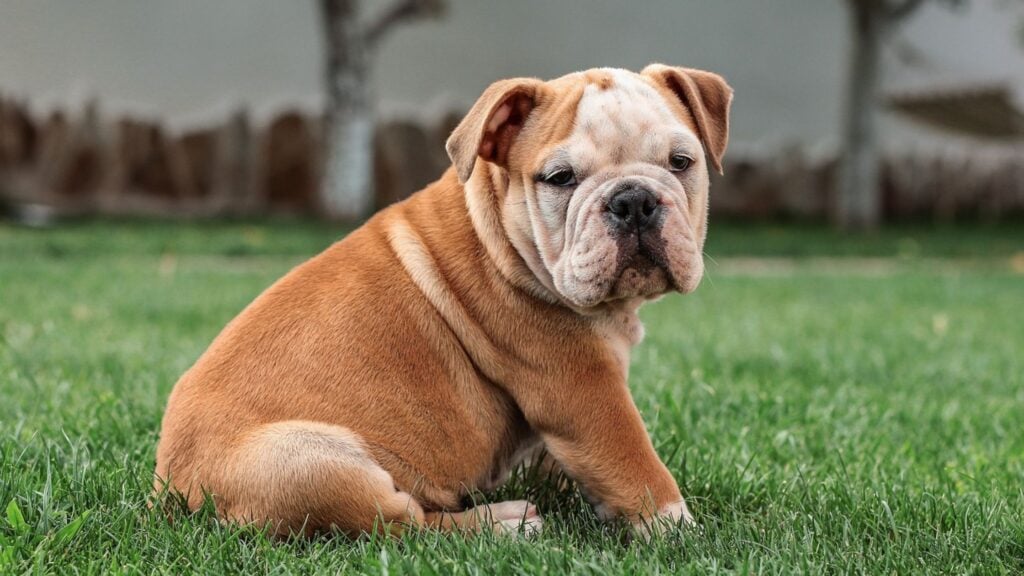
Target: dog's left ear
492,124
707,96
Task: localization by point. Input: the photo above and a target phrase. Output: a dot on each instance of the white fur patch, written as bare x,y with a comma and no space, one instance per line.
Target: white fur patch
630,118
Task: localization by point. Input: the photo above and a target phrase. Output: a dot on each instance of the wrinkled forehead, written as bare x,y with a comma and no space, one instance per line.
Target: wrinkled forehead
621,117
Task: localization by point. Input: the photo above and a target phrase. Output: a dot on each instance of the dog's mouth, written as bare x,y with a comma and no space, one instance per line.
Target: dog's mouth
643,270
644,259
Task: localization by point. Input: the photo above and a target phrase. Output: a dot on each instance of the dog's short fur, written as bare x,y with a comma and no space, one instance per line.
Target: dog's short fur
456,332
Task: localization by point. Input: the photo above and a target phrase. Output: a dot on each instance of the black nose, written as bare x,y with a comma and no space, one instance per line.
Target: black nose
633,207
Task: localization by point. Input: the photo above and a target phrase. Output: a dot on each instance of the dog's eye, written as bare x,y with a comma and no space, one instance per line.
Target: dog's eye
562,178
680,162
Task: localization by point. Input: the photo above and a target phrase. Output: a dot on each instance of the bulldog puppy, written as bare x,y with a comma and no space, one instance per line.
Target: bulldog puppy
423,356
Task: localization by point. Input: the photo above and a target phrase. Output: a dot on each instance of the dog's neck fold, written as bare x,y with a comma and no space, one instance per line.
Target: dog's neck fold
509,250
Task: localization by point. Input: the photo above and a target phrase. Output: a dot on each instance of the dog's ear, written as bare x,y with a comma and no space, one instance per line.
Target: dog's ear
708,98
492,124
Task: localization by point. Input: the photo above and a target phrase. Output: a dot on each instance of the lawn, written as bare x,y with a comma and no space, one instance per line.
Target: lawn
827,403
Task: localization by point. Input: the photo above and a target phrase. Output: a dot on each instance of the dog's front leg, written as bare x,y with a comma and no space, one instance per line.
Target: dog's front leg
593,429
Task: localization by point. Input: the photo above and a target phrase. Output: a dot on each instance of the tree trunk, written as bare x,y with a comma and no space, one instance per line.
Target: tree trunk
859,202
347,190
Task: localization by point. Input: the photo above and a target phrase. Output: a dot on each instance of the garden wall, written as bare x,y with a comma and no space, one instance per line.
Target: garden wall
86,164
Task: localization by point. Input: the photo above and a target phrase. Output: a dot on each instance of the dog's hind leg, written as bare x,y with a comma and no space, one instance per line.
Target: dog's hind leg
512,517
306,477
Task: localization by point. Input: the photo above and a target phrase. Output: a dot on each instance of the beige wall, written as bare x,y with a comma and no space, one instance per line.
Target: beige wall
189,60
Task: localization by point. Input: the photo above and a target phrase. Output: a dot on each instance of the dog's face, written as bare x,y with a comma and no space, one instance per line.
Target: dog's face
603,176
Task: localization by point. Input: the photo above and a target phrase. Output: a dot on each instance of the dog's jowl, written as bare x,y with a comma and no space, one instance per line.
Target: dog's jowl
458,332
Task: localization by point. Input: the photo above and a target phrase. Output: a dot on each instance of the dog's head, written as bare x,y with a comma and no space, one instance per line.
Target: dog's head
602,176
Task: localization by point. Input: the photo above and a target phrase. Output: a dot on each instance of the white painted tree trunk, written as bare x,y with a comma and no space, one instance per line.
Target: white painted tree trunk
348,166
347,188
859,204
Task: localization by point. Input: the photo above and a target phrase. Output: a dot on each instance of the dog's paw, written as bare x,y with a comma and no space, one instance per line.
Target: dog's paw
515,518
669,517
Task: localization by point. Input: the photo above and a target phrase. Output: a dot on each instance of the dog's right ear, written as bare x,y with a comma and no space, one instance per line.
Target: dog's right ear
708,97
492,124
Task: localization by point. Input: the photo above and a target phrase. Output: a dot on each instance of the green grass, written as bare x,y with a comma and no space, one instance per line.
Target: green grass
820,416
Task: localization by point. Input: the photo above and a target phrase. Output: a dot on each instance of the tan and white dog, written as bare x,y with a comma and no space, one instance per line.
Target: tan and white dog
457,332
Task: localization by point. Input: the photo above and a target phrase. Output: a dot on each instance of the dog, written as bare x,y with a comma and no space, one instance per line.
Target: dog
457,333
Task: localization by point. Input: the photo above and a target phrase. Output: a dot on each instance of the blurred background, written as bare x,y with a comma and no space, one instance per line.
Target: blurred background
852,113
